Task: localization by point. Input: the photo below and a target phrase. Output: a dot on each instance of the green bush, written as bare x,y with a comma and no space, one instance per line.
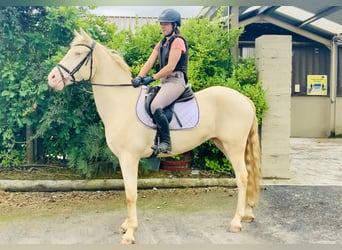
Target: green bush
209,46
210,64
66,124
208,156
91,156
243,79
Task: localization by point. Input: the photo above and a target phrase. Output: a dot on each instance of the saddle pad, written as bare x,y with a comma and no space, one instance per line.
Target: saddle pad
187,113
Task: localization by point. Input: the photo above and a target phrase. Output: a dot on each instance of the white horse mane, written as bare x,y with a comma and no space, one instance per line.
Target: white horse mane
115,55
118,58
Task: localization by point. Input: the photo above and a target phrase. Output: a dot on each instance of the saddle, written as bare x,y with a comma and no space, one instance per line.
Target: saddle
152,91
184,111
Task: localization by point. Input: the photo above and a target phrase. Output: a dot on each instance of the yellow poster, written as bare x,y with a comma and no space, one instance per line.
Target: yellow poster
317,84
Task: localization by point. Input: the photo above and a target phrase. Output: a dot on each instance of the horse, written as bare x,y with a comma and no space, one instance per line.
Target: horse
226,117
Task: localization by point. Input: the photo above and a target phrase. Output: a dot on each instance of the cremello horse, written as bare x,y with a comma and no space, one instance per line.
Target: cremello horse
227,118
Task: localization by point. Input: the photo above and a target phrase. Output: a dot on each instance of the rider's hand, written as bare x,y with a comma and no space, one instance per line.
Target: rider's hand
136,82
147,80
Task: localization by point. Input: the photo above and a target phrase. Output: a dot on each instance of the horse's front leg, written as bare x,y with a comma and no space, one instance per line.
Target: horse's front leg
129,169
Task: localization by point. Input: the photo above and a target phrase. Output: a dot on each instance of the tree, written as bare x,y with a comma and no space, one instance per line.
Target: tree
32,41
21,72
70,127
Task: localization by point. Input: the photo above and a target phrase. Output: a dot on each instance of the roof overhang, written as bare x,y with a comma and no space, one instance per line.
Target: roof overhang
267,19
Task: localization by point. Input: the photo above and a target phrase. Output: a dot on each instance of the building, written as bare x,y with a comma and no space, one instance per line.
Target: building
298,52
130,22
316,34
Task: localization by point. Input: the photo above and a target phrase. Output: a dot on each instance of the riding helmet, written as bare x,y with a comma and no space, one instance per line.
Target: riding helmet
170,16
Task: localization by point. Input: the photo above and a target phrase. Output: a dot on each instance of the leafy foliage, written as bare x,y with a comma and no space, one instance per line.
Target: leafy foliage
32,41
95,158
65,124
71,118
22,75
211,64
209,45
243,79
140,44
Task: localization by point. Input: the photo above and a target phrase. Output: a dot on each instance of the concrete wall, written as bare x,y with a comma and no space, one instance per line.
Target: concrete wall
130,22
274,63
310,116
338,117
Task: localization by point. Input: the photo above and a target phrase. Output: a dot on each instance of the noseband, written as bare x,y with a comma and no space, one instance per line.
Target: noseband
84,61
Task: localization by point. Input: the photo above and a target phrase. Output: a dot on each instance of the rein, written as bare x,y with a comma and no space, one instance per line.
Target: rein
85,61
103,85
111,85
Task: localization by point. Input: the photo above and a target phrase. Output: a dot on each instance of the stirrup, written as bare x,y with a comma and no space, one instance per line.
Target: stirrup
162,147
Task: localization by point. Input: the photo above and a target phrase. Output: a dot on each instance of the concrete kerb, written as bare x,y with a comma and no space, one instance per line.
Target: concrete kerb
117,184
313,162
110,184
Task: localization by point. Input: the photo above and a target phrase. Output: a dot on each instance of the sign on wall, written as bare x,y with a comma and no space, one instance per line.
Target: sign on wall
317,85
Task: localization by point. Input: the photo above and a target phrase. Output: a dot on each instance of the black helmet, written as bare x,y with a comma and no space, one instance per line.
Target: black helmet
170,16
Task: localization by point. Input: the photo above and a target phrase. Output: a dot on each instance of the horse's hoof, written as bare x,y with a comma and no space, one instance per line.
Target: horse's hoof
248,218
127,241
235,229
122,230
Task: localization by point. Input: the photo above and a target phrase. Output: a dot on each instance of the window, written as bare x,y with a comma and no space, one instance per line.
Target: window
308,59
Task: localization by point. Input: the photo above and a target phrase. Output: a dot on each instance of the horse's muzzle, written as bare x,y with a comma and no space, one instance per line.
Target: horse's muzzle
55,79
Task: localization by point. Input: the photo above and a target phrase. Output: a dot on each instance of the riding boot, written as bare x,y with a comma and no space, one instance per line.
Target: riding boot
164,145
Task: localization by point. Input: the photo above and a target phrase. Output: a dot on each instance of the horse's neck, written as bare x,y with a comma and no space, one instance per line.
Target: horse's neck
107,70
112,101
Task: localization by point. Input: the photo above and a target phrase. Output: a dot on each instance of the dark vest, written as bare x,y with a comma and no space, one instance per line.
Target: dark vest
164,51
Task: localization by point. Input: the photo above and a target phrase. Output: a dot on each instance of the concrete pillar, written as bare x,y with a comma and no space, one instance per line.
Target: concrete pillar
274,63
333,83
234,24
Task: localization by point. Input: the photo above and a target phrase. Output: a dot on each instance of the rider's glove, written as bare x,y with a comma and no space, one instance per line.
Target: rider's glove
136,82
147,80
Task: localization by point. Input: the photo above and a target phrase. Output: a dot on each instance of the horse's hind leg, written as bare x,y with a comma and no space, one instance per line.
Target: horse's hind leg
235,153
249,215
250,205
236,157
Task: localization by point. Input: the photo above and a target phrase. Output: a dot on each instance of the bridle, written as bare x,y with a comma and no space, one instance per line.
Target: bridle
84,61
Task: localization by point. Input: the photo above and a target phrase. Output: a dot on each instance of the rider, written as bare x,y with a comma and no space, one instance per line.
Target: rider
172,53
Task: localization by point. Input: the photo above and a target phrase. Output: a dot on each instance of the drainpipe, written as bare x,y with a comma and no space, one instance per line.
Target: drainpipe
333,85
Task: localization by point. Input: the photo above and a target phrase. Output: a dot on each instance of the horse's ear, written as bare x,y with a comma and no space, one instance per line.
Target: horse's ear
85,34
76,33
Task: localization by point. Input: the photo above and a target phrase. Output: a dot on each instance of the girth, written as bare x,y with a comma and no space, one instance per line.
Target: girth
169,111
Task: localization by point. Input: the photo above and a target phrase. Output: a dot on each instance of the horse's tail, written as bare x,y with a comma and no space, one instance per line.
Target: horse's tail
252,159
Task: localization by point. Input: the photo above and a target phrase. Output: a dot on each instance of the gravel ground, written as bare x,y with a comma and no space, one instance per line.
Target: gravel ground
286,214
305,209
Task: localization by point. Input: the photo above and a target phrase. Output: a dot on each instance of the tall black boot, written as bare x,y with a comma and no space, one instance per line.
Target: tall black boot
164,145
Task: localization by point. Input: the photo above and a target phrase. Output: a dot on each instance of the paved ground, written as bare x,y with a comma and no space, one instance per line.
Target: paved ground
305,209
314,161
